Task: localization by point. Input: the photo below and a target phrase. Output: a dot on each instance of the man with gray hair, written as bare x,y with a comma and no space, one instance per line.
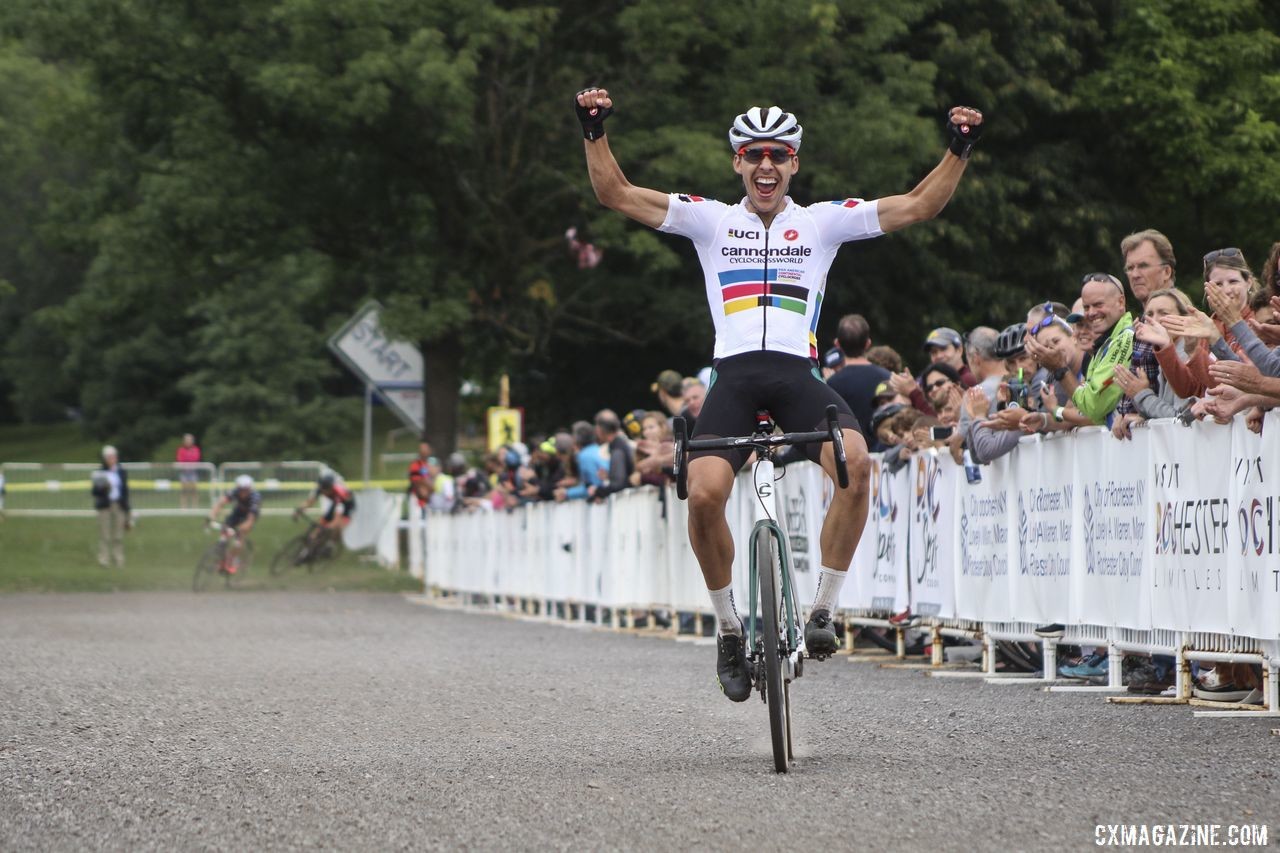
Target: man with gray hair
1149,265
986,365
110,490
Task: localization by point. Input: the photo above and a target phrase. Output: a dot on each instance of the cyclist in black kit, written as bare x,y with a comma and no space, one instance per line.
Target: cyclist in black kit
765,262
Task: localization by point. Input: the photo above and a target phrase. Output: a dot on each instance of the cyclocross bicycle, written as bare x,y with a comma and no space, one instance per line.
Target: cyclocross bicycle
305,549
215,560
775,641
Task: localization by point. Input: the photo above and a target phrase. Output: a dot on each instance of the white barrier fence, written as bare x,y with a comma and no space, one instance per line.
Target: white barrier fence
1169,542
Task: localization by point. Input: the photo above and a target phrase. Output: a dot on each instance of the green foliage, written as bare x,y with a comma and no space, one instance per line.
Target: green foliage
193,196
1192,93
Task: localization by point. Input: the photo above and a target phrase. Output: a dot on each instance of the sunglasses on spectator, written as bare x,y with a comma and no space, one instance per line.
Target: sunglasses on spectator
775,155
1046,321
1103,276
936,384
1229,252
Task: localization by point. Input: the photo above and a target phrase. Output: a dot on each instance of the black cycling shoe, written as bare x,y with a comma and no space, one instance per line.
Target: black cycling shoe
820,635
733,671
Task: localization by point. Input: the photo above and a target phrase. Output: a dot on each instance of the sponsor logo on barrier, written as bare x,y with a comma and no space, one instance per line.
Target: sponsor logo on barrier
1114,533
1042,541
987,532
1192,526
928,505
887,508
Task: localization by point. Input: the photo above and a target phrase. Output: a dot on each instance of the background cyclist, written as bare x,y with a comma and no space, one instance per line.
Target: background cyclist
247,506
342,504
765,261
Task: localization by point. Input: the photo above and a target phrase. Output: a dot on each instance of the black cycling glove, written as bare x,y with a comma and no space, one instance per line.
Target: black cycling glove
960,142
592,118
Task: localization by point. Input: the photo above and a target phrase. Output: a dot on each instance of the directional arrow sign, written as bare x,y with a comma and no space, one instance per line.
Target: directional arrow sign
393,368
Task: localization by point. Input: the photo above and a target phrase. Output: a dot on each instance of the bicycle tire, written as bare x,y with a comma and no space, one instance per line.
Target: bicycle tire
767,568
289,555
207,565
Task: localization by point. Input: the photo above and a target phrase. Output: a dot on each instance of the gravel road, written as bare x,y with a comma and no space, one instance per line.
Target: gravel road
372,722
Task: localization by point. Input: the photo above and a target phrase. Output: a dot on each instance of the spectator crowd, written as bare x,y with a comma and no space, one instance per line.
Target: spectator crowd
1116,357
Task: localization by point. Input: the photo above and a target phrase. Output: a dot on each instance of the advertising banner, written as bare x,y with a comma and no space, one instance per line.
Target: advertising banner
1254,541
1191,488
1111,554
982,536
932,539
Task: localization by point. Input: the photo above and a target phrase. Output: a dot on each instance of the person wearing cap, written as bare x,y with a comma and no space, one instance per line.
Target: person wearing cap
110,490
669,386
832,360
856,378
765,262
879,418
548,470
945,345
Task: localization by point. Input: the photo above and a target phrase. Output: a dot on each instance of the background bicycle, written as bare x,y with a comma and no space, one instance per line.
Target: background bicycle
314,545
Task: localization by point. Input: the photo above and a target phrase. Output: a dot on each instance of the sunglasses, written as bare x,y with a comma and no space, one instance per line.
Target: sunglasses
1229,252
936,384
1103,276
775,155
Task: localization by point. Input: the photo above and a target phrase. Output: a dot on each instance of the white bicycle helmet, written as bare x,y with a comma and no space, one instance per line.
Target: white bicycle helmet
759,123
244,481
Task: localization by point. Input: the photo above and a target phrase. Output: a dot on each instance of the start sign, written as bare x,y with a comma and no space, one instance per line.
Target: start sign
506,426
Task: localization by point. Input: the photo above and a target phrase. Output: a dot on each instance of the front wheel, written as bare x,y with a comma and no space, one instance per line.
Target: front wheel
293,553
775,690
207,566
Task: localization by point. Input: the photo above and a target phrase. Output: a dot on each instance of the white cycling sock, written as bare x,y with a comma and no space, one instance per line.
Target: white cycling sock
726,612
829,583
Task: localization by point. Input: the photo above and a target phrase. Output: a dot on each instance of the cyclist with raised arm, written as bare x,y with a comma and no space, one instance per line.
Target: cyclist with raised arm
247,506
765,262
342,505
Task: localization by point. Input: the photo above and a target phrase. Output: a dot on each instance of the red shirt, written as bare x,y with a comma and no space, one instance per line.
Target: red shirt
189,454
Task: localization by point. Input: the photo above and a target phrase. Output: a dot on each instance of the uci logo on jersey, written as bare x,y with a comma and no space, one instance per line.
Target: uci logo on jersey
735,234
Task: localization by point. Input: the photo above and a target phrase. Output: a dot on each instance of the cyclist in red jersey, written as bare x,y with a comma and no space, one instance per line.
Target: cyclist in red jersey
342,504
765,262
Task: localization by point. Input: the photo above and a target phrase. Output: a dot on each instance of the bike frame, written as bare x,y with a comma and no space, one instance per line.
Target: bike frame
765,510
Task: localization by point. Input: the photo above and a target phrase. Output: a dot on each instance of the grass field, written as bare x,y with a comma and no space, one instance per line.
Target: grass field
60,555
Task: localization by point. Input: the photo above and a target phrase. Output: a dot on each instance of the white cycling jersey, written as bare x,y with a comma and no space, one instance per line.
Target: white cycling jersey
765,286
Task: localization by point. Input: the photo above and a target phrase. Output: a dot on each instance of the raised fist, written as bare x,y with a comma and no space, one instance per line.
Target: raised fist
964,127
593,106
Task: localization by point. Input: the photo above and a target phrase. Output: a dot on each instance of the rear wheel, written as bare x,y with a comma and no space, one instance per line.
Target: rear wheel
767,567
293,553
